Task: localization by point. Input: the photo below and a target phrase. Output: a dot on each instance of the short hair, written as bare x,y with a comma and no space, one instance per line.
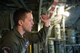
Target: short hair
20,15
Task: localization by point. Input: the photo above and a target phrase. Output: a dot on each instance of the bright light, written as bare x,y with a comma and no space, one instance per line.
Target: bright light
66,13
60,10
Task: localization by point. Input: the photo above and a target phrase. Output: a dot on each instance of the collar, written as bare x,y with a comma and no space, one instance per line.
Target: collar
19,35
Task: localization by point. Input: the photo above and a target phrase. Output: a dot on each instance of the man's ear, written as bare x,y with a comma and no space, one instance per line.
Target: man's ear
20,22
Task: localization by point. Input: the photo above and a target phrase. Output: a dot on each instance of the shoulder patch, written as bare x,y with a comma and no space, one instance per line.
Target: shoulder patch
5,50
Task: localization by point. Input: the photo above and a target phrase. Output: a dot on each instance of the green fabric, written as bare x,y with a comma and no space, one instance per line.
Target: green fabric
15,42
12,41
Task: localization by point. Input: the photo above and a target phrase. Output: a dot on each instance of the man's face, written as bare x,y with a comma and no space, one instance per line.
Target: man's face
28,22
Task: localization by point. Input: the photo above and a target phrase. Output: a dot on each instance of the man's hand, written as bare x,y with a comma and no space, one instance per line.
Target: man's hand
46,20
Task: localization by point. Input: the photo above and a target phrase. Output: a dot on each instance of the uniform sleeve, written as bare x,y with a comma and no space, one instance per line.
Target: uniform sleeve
8,45
39,36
